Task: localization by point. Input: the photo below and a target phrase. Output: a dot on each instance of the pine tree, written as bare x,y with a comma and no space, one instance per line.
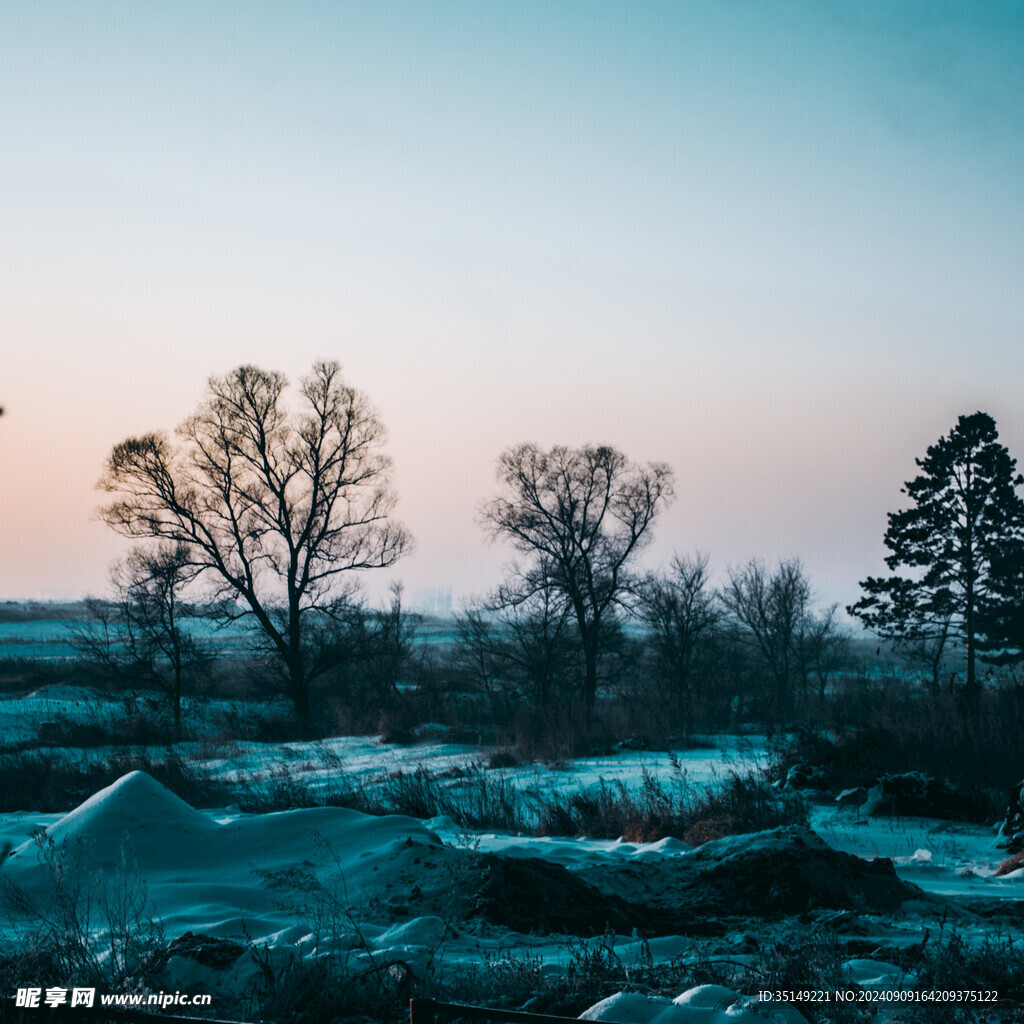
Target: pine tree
962,542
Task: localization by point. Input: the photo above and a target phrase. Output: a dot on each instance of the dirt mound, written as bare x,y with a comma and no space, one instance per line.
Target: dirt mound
788,871
917,794
766,874
207,950
531,895
779,873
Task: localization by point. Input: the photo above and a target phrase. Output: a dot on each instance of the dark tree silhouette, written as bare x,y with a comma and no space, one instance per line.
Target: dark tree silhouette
150,582
958,540
682,612
273,505
141,634
1002,612
518,649
539,640
390,642
580,515
772,612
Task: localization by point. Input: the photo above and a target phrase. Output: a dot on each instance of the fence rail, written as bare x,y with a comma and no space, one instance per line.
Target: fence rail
429,1011
11,1014
421,1011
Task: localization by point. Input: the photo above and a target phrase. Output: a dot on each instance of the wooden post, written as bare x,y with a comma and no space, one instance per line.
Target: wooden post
421,1011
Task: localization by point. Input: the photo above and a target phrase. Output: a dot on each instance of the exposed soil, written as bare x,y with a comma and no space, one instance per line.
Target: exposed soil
772,874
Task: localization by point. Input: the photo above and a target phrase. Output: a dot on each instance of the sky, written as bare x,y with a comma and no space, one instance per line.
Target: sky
777,244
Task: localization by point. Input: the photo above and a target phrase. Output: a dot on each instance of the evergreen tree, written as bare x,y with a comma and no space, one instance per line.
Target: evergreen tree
962,542
1003,611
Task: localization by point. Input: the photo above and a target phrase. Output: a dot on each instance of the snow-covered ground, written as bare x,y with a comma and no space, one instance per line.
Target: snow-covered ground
53,638
357,758
329,881
947,858
62,704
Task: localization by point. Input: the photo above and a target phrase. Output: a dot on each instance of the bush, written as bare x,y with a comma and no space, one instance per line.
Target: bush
744,803
88,928
975,750
46,781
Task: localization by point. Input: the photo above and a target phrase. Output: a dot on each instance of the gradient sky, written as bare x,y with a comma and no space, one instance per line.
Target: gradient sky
778,245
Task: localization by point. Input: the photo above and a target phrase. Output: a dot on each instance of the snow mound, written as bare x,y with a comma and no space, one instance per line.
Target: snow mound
877,975
420,931
234,879
443,823
704,1004
716,1004
667,847
710,997
136,806
629,1008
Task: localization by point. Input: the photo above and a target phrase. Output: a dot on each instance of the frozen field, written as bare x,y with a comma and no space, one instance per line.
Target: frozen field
332,882
948,858
51,638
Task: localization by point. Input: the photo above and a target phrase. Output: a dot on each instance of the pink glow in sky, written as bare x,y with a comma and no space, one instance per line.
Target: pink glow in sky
778,248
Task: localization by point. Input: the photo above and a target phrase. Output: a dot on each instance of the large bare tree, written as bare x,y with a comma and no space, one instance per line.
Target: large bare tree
273,504
579,515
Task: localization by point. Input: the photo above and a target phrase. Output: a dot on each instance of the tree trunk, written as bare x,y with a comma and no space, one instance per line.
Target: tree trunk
971,685
177,703
971,575
298,684
590,673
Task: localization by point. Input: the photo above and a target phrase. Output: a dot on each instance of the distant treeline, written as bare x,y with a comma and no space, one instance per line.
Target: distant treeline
42,611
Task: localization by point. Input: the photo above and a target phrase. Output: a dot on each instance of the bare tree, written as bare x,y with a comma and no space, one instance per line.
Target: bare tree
150,582
141,634
770,609
478,651
682,612
97,636
390,644
930,645
273,505
823,648
518,649
539,633
579,515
